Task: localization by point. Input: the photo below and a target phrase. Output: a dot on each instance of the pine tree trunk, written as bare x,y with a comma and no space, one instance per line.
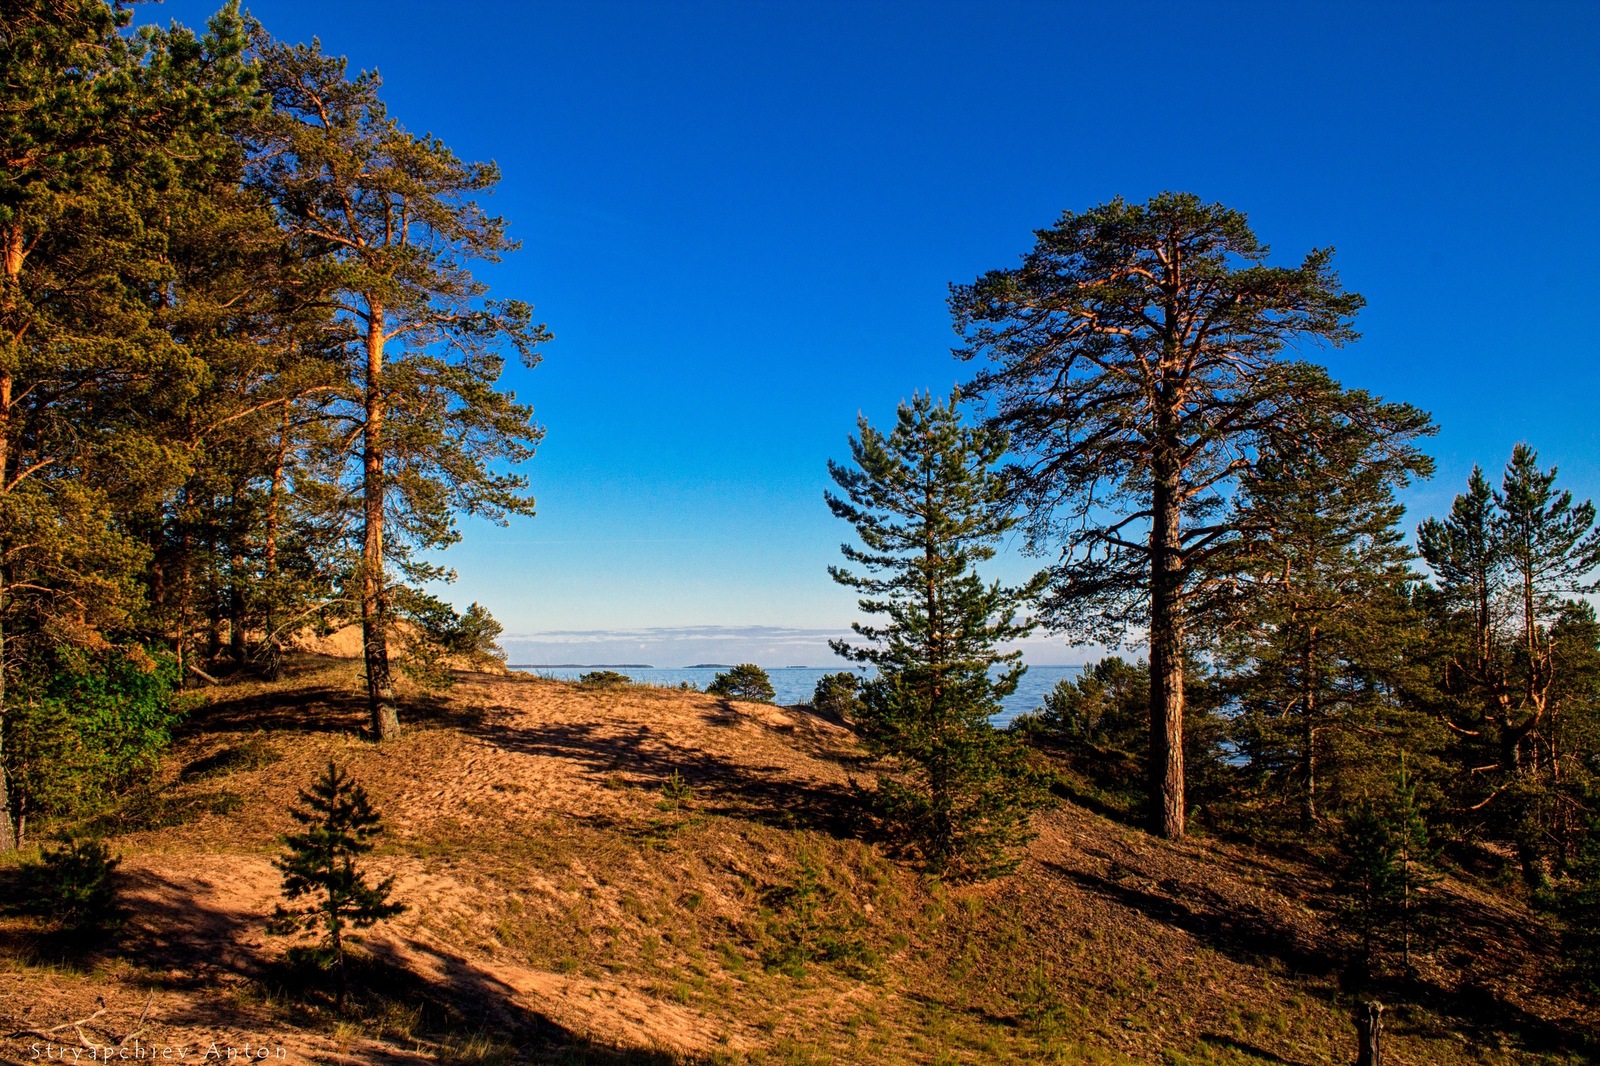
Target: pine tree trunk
274,503
9,835
1308,804
236,612
185,586
1166,662
14,254
374,594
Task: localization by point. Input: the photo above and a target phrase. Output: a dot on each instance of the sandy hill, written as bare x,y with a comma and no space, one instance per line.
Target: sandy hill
570,901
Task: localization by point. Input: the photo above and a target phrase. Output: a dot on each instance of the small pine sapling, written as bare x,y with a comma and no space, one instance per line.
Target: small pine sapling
1385,868
1417,858
1368,878
73,886
320,867
929,507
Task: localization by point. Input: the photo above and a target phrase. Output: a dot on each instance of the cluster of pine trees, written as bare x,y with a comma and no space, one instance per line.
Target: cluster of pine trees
1318,671
248,380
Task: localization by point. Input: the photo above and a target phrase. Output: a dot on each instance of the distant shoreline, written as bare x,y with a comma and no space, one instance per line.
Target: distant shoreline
579,666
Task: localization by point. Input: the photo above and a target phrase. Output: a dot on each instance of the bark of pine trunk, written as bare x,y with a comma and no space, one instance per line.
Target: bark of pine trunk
14,253
1167,805
236,612
374,593
1308,804
10,835
185,586
274,503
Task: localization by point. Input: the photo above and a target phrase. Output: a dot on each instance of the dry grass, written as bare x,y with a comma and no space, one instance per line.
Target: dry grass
649,876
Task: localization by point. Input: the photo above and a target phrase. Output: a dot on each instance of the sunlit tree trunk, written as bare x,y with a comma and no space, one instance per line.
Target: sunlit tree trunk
13,252
374,594
1167,804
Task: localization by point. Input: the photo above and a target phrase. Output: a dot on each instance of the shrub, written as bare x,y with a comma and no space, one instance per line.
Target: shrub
675,791
837,695
604,679
747,681
73,886
440,639
83,725
1108,705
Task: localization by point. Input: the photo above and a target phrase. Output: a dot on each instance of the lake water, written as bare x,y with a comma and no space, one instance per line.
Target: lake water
795,684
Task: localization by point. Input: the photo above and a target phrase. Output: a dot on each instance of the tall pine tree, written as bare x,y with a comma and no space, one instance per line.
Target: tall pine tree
392,223
1515,644
1138,359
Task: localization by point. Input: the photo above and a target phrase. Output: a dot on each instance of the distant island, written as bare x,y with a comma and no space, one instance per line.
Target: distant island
580,666
708,666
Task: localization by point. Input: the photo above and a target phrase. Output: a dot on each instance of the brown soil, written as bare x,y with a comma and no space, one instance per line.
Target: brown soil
567,904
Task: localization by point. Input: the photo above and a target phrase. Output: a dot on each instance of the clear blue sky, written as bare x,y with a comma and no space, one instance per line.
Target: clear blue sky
740,220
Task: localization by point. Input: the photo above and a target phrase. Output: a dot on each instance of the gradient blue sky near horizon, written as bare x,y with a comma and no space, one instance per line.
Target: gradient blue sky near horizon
740,220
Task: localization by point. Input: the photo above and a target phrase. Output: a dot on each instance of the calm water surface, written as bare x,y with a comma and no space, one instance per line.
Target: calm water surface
794,684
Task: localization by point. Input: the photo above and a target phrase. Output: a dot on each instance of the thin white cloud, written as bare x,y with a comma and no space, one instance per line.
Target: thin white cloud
679,646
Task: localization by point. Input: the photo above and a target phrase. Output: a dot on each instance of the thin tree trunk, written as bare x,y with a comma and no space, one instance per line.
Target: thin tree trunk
1308,805
14,255
9,830
274,503
374,593
1167,806
236,594
185,583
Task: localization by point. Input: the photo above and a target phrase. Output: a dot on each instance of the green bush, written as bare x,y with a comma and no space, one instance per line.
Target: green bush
73,886
604,679
81,727
747,681
837,695
1106,706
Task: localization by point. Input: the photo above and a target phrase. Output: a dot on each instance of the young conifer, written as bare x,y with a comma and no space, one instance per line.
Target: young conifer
928,507
321,866
1385,870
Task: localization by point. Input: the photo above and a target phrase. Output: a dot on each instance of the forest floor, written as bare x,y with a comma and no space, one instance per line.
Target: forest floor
568,904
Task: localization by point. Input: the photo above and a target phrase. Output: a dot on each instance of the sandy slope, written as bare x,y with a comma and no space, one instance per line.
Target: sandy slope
561,909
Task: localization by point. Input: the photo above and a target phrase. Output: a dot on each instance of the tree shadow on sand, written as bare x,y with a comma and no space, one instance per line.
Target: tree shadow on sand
206,969
765,793
1253,937
318,709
